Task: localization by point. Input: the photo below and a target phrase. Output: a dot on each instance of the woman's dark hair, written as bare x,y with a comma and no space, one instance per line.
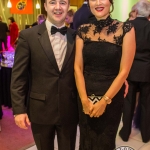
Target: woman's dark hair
111,1
11,19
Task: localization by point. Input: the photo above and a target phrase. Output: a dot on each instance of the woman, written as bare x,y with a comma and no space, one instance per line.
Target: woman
105,50
13,31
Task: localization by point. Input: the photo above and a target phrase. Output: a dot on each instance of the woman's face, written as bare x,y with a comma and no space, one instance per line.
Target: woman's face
100,8
9,21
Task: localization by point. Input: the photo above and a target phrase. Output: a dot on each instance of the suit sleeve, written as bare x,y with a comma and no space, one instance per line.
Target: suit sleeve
20,76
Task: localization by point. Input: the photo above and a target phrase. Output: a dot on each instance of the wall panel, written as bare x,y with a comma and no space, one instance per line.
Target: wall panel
77,3
122,8
21,20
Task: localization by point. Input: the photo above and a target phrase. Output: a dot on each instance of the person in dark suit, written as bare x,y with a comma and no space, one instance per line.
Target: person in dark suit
3,33
1,112
82,15
44,60
139,76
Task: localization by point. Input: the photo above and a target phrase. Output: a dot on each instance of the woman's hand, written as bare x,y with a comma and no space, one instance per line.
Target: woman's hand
98,108
87,106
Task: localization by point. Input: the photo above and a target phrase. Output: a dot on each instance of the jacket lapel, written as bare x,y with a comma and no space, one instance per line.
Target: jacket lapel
45,42
70,45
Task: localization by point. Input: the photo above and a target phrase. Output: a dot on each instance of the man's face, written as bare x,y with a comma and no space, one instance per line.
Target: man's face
57,11
133,15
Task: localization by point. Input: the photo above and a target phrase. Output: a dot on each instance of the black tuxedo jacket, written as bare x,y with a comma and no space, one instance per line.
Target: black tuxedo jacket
140,70
3,30
81,16
52,92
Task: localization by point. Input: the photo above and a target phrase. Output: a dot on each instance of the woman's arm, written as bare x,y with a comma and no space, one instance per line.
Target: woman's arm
80,83
128,52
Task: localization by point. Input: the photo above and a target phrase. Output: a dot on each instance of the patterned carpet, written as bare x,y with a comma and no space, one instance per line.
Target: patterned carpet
12,137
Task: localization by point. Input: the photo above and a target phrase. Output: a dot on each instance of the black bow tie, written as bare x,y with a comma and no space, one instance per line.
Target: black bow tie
62,30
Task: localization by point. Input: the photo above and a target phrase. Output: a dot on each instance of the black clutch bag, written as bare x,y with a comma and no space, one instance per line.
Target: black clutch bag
94,99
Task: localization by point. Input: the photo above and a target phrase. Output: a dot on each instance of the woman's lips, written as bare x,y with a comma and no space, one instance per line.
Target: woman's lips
99,9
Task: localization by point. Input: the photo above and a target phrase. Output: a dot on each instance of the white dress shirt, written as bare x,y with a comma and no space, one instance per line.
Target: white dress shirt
59,44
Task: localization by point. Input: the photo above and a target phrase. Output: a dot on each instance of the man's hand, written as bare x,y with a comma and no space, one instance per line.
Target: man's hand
126,88
22,121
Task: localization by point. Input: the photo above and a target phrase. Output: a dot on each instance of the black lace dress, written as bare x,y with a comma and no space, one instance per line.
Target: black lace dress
101,55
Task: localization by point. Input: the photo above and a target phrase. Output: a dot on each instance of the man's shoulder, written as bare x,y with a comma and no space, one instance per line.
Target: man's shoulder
141,22
32,30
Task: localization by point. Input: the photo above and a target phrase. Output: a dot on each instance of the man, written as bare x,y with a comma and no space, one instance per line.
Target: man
3,34
82,15
45,59
133,13
139,76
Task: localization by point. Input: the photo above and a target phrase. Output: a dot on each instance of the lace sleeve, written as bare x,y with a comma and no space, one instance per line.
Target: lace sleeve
83,30
79,32
127,26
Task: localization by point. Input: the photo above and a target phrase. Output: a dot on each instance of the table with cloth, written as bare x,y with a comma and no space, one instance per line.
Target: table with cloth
6,64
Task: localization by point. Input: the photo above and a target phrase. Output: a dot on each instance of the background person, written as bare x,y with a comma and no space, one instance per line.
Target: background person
139,76
133,13
81,15
69,18
3,34
41,18
13,31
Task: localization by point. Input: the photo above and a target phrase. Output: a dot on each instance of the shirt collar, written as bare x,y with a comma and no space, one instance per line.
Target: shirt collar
85,3
49,25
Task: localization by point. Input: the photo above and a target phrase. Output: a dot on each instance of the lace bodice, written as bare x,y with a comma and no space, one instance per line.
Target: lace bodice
102,51
107,30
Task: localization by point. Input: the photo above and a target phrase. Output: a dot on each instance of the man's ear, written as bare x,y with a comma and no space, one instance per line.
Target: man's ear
136,12
45,6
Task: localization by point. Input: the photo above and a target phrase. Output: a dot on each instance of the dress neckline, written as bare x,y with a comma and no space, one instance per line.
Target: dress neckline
101,23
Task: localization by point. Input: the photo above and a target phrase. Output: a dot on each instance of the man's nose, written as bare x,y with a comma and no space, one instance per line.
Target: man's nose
57,5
